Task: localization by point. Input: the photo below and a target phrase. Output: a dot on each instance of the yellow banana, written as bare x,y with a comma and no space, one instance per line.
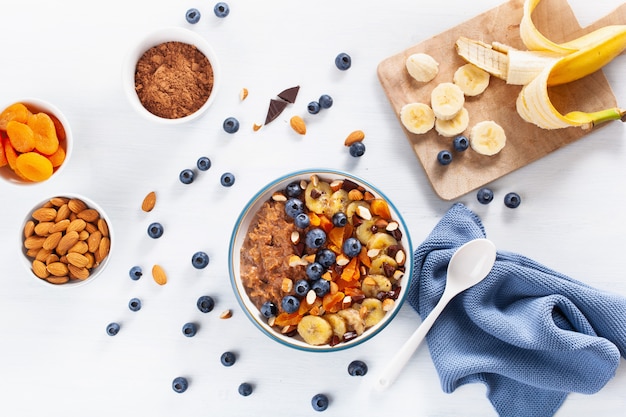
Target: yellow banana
546,64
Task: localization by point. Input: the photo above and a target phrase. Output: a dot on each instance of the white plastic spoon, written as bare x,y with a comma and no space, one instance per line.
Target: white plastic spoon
469,265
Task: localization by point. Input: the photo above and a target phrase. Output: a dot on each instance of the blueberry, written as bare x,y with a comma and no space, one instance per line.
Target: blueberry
357,368
113,329
357,149
135,273
155,230
293,207
204,163
325,101
313,107
134,304
269,309
231,125
314,271
319,402
315,238
302,220
205,303
190,329
192,16
444,157
227,179
221,9
321,287
460,143
512,200
340,219
228,358
290,304
245,389
484,196
293,189
301,287
186,176
343,61
200,260
325,257
351,247
180,384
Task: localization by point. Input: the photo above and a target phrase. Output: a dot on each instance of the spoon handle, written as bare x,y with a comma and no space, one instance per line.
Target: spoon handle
393,369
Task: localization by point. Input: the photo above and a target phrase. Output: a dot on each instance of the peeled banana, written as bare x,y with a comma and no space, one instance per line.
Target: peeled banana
487,138
417,118
447,100
471,79
546,64
455,126
422,67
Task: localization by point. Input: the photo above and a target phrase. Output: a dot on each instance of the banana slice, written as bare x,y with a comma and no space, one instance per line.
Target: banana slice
315,330
378,264
353,320
417,118
317,196
447,100
453,127
371,311
375,283
381,240
363,232
471,79
338,323
487,137
339,201
422,67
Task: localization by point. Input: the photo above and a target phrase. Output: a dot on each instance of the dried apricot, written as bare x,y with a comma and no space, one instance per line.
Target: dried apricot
3,156
33,166
17,111
9,153
379,207
58,157
46,140
58,127
21,136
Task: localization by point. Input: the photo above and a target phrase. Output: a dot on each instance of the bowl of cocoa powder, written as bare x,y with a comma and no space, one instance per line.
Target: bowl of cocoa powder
319,260
171,75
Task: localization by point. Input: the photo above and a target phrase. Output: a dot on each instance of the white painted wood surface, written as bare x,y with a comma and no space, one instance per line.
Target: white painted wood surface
56,359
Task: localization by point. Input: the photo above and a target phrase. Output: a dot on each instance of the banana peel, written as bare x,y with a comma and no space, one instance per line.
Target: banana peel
546,64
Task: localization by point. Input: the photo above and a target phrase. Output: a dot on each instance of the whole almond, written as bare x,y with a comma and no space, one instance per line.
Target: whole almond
52,241
43,228
149,201
158,274
34,242
80,247
62,213
77,225
29,228
89,215
353,137
298,125
76,259
39,269
103,249
45,214
67,241
93,241
60,226
76,206
58,280
58,269
77,272
103,227
59,201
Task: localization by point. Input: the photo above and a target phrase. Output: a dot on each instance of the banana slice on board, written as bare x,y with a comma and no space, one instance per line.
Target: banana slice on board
487,137
471,79
315,330
453,127
417,118
447,100
422,67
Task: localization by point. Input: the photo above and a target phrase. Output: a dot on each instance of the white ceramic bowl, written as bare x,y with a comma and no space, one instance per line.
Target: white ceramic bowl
237,240
169,34
94,271
66,140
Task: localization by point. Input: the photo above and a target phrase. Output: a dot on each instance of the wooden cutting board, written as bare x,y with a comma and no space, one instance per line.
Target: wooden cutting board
525,142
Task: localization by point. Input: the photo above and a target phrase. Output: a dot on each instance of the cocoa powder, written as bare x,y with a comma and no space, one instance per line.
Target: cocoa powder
173,79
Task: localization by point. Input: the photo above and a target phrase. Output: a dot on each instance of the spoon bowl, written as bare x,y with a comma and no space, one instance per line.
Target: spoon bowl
469,265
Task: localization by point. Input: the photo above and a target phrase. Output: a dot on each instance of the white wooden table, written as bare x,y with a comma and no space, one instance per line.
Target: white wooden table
56,359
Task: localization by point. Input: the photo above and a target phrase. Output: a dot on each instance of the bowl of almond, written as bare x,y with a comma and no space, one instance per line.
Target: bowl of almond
319,260
36,141
66,240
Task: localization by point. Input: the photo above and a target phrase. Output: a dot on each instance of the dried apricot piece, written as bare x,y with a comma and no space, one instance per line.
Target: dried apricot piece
3,155
58,127
9,153
58,157
21,136
33,166
46,140
17,111
379,207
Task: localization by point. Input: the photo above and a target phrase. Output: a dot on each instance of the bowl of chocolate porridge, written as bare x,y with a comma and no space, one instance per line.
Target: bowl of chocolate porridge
319,260
171,75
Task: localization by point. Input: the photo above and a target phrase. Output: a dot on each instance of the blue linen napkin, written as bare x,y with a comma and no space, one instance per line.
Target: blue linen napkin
530,334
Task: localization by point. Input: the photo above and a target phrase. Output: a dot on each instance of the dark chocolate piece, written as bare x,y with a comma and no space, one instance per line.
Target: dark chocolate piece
290,94
275,109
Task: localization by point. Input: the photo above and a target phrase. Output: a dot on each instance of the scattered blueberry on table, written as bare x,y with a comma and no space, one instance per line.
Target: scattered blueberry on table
512,200
343,61
200,260
221,9
357,368
135,273
155,230
484,195
205,303
313,107
444,157
186,176
203,163
231,125
180,384
320,402
192,16
460,143
228,359
245,389
357,149
113,329
134,304
325,101
227,179
190,329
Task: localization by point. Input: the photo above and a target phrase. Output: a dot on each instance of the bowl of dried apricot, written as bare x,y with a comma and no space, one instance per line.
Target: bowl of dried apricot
36,141
171,75
66,240
319,259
